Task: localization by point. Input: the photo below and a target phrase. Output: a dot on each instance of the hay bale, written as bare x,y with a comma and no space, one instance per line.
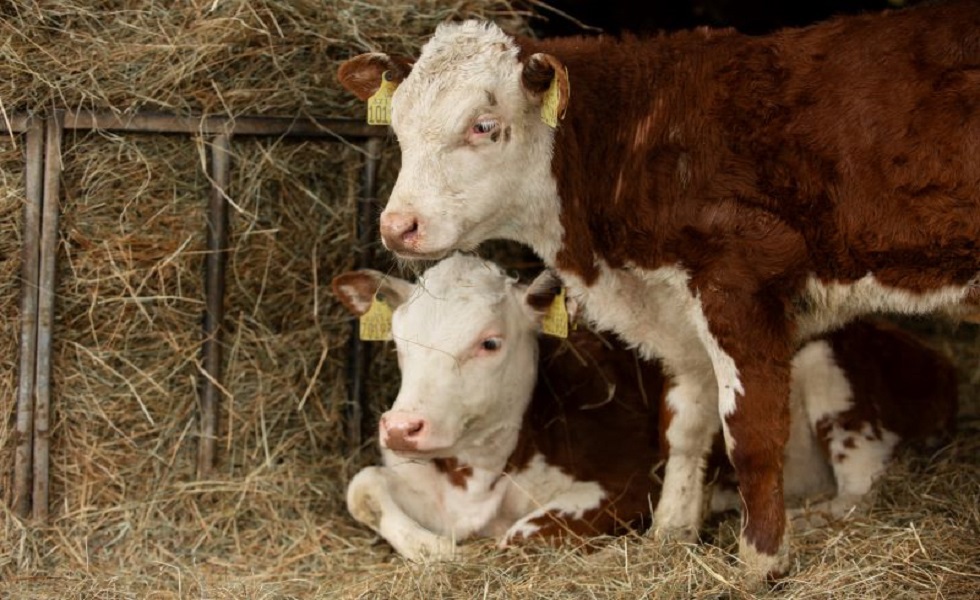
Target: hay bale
208,56
11,224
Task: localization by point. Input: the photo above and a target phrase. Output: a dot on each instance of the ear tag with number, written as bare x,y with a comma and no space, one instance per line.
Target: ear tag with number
555,322
379,104
552,100
375,324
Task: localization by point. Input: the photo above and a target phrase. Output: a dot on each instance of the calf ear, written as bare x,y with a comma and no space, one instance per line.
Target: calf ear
362,74
539,70
540,294
356,290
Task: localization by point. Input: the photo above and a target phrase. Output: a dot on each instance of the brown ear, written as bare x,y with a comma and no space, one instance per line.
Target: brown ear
539,70
356,290
361,75
541,292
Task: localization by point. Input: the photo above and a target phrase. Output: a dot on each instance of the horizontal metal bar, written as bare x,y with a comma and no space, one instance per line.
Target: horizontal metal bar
215,125
17,123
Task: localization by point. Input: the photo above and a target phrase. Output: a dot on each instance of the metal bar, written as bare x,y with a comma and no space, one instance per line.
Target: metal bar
45,312
23,457
217,125
358,351
16,123
214,284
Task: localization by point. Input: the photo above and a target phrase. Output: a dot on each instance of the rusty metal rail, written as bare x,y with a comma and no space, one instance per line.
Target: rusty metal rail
43,177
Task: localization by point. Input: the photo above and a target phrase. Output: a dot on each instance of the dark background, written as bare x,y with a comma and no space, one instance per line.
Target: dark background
650,16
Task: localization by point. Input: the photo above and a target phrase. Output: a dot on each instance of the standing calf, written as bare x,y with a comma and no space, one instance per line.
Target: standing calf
714,199
491,436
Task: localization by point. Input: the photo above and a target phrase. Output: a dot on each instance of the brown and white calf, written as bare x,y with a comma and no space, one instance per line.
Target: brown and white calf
492,436
712,198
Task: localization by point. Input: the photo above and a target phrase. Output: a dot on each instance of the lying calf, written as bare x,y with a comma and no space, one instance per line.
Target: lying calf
492,436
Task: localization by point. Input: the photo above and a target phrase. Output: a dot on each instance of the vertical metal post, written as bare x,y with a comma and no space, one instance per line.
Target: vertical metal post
23,458
45,311
358,352
214,284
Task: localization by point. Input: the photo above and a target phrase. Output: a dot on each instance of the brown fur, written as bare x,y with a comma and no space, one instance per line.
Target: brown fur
591,436
456,473
900,380
837,150
898,383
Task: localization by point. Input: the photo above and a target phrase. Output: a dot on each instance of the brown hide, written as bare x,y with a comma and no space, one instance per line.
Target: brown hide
897,383
896,380
592,434
840,149
835,151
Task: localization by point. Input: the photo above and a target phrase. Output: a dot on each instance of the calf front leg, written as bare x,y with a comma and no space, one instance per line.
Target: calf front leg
371,502
692,424
751,351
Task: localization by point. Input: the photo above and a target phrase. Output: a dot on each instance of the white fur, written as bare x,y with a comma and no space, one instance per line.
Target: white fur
528,489
460,193
473,403
817,386
832,303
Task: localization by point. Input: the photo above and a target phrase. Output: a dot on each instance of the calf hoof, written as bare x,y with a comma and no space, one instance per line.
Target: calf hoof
821,514
362,498
675,535
761,567
420,545
435,549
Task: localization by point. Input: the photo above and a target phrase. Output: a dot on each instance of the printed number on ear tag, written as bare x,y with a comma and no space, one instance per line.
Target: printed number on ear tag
555,321
379,105
375,324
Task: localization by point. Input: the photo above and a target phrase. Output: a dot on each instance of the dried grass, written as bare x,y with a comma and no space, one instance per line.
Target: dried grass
128,518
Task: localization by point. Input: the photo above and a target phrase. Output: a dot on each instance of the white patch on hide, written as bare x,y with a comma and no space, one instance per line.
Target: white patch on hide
539,489
832,304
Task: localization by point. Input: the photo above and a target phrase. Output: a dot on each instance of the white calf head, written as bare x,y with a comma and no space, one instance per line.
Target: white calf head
467,349
475,154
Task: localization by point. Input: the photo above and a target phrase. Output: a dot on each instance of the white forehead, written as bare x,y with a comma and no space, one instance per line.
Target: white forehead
453,299
460,62
465,46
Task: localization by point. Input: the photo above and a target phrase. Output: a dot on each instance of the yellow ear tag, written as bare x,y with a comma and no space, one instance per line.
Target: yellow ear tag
551,101
379,105
375,324
555,322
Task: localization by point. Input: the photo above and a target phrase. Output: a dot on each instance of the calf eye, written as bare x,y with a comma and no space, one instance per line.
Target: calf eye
492,344
485,126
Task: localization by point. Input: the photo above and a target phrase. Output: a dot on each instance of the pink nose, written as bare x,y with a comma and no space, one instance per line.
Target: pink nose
399,231
403,432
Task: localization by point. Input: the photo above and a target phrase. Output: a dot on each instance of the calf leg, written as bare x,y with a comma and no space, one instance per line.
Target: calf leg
859,452
751,352
850,442
581,511
370,501
692,427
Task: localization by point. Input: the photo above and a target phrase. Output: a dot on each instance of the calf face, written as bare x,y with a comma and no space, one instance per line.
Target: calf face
467,353
471,139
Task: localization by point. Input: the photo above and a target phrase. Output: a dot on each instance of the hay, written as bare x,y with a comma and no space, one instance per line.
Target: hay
128,518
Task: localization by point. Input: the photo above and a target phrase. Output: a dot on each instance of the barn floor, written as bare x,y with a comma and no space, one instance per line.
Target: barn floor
282,534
